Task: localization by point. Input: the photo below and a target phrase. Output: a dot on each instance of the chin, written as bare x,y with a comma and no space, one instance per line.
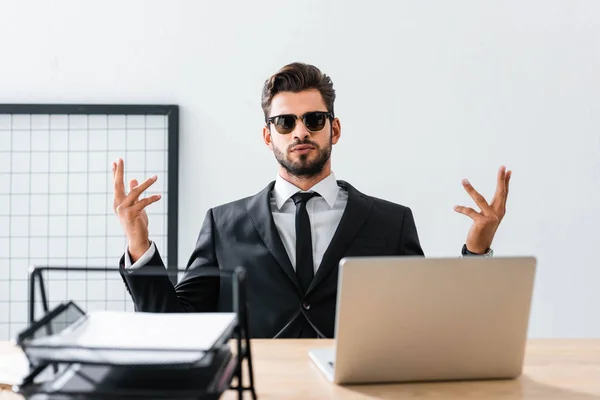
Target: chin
303,162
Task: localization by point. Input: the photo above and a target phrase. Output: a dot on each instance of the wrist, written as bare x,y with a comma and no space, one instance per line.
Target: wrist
468,252
138,249
477,246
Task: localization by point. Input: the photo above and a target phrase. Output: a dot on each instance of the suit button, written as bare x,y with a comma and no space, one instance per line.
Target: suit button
305,305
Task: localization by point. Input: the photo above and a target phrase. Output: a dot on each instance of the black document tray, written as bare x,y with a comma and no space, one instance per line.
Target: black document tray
80,381
204,378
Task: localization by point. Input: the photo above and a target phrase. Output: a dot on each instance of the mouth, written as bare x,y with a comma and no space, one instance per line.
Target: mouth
302,148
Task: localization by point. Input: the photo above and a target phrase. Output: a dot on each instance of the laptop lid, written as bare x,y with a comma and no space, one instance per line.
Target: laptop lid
419,319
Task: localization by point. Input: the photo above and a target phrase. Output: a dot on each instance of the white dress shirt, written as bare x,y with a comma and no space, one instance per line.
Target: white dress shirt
325,212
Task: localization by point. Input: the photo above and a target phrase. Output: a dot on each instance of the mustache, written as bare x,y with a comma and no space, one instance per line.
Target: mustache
305,142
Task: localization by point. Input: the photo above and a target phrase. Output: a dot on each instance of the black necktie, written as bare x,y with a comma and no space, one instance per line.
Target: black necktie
304,255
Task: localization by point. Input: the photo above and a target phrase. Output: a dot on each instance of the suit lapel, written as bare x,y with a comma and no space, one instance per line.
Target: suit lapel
355,215
259,209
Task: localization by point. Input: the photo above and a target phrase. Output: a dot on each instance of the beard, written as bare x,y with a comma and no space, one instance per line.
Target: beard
303,168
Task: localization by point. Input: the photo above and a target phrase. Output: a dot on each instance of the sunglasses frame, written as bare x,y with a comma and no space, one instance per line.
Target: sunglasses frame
271,120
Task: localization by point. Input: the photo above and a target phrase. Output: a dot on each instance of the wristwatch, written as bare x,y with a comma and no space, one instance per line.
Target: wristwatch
466,252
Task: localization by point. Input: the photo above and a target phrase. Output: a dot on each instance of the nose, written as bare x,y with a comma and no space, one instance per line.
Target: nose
300,132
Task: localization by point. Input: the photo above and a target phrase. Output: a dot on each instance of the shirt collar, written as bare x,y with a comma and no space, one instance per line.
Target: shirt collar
327,188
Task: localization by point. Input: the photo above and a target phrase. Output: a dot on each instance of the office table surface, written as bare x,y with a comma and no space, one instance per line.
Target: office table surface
554,369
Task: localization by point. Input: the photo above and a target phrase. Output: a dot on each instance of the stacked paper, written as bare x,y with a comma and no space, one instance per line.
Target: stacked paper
126,338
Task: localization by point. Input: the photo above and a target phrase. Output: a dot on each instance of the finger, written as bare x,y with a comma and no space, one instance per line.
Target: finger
114,171
506,184
476,196
118,180
468,211
132,184
139,189
140,205
500,184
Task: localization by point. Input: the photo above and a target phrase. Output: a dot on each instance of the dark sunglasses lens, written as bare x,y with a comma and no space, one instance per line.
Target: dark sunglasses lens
285,124
315,121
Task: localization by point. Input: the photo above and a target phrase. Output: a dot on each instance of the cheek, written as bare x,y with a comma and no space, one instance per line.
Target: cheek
281,142
323,141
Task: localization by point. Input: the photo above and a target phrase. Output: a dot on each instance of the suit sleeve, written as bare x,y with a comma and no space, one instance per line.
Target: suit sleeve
152,291
409,244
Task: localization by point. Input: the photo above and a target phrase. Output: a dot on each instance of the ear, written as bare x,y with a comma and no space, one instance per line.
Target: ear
336,131
267,137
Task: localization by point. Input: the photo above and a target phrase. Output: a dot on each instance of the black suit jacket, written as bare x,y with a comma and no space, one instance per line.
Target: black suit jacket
243,233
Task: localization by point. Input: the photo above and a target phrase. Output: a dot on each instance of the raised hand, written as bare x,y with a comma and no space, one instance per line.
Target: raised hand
130,210
485,222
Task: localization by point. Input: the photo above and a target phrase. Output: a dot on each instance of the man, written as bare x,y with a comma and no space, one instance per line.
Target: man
291,236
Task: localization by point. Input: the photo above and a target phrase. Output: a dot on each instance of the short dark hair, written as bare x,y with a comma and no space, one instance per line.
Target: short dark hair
297,77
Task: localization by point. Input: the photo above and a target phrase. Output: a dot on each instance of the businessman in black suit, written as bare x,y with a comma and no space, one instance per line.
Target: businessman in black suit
290,236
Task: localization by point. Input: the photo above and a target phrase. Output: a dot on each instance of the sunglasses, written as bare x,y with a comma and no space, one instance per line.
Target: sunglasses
314,121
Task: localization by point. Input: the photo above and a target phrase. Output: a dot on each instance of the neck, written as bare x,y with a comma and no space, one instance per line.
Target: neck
305,183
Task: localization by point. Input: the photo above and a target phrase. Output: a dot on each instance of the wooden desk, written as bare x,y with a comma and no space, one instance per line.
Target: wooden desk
554,369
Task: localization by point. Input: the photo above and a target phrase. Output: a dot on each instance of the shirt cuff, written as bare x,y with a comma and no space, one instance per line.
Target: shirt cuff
144,259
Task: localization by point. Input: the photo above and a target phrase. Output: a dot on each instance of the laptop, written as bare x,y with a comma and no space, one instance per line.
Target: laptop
410,319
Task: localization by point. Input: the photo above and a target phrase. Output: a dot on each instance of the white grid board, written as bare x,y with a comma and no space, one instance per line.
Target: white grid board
56,198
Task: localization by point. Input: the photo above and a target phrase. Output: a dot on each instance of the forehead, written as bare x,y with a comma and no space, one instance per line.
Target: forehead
297,103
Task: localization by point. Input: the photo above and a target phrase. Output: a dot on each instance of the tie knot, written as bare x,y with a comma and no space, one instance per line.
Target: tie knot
303,197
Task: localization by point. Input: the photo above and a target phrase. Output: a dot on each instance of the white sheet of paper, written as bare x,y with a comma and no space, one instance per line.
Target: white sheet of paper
134,331
117,357
13,367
